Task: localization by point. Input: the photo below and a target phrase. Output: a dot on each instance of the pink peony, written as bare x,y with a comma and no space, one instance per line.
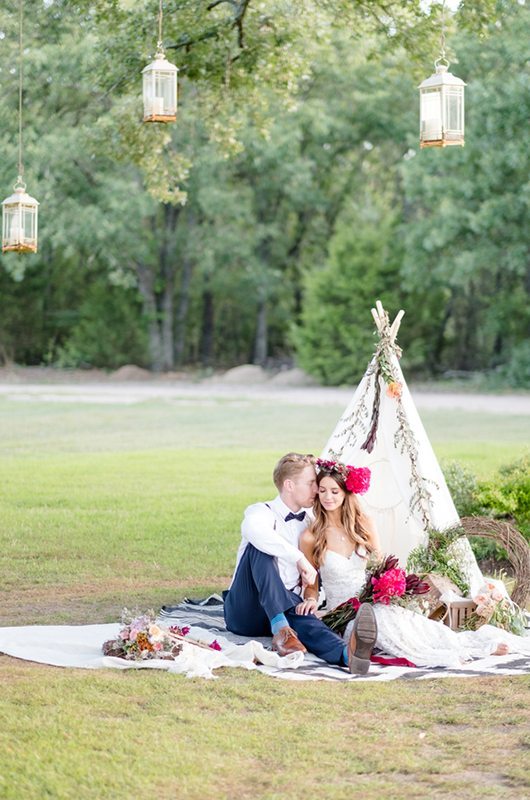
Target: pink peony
392,583
358,480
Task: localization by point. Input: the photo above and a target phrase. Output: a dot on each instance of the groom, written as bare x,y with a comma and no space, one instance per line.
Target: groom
271,573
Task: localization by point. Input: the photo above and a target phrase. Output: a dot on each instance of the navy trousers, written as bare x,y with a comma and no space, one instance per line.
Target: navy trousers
258,594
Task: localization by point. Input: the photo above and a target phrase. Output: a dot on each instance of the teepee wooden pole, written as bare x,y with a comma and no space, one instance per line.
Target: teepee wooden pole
394,328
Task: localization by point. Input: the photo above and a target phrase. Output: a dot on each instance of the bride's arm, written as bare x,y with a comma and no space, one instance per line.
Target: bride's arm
374,542
310,601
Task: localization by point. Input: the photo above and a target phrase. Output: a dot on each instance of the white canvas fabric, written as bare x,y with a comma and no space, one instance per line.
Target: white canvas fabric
388,501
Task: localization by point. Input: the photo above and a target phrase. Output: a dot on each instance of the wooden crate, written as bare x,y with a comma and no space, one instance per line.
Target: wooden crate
457,612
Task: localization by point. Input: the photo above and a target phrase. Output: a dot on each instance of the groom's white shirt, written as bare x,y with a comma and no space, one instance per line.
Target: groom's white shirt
264,526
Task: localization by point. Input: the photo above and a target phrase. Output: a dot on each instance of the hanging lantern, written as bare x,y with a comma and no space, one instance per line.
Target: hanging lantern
160,89
442,108
160,84
19,225
19,210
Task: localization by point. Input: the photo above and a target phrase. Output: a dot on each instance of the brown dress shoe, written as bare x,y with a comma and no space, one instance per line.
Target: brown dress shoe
362,640
286,641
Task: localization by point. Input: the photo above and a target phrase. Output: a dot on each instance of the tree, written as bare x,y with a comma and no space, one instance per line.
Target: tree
467,240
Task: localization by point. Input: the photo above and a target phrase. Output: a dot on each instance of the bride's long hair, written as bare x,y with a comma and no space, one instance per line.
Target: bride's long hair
352,518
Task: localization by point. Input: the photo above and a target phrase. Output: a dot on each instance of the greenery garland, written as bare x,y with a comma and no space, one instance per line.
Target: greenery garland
381,367
436,556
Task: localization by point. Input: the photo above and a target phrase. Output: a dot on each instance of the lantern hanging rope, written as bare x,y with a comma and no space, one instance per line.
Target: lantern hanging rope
442,103
160,83
19,210
20,75
160,16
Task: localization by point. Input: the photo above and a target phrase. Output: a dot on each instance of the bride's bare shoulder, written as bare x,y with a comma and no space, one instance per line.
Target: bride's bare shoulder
307,537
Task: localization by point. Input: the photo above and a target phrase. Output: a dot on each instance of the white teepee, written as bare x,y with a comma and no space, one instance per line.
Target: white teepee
381,429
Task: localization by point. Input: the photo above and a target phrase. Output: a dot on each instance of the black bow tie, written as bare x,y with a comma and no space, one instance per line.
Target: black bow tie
300,517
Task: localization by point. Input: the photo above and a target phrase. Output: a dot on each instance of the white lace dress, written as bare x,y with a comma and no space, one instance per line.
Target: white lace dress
406,634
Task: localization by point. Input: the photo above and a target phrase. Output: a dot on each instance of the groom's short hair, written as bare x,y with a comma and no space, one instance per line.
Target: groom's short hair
289,466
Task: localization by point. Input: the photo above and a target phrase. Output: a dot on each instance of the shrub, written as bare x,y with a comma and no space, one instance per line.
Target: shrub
507,495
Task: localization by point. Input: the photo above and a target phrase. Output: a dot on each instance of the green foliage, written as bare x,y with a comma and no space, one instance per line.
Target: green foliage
334,341
463,487
108,332
517,371
509,494
466,233
436,556
222,221
506,495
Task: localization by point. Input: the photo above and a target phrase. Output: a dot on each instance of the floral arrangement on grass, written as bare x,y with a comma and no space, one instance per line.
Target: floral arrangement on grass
385,583
494,608
142,638
438,556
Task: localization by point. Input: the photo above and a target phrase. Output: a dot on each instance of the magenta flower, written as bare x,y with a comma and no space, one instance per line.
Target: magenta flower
392,583
358,480
215,645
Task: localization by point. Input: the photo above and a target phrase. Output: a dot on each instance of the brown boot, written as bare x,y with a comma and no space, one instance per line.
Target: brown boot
286,641
362,640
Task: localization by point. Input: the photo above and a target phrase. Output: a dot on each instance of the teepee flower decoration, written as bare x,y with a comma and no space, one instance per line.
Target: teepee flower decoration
442,103
160,84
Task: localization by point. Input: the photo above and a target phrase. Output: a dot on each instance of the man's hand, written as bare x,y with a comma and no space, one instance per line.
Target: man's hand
307,572
307,606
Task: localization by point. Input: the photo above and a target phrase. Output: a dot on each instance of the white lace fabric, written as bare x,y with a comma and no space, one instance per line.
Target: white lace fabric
404,633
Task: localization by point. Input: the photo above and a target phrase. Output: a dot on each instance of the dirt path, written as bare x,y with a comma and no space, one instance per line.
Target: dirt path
128,392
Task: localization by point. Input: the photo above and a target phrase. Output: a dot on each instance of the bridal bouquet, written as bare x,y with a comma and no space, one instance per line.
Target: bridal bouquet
494,608
141,638
385,583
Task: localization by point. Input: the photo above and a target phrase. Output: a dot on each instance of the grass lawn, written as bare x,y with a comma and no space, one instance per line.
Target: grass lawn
106,506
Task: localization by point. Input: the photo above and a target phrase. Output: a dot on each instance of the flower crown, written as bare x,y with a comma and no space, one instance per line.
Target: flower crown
356,479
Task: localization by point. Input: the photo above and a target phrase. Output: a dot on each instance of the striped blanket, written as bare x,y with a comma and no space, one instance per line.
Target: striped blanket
208,614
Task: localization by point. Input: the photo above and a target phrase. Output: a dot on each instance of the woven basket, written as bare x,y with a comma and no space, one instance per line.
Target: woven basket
517,549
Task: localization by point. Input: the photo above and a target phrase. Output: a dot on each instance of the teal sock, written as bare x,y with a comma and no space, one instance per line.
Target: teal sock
345,655
277,622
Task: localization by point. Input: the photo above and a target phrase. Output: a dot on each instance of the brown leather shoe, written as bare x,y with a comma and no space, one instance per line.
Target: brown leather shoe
362,640
286,641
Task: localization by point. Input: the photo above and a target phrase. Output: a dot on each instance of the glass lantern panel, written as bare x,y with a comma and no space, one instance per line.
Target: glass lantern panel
15,226
165,88
431,115
19,226
453,110
160,93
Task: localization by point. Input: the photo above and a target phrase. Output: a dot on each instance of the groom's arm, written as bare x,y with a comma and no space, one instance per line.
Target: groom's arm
259,529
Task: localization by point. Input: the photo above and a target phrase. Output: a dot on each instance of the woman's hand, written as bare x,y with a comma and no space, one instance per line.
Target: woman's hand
308,606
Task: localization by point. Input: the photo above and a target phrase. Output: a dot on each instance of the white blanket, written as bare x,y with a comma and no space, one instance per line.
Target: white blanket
80,646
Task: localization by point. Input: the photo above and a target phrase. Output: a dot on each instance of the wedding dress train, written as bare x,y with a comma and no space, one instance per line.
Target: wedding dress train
407,634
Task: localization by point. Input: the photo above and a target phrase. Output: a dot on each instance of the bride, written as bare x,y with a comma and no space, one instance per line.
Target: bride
338,543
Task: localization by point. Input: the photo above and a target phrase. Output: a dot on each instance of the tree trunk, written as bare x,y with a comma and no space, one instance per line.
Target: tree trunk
167,272
207,330
168,361
146,286
182,310
260,342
